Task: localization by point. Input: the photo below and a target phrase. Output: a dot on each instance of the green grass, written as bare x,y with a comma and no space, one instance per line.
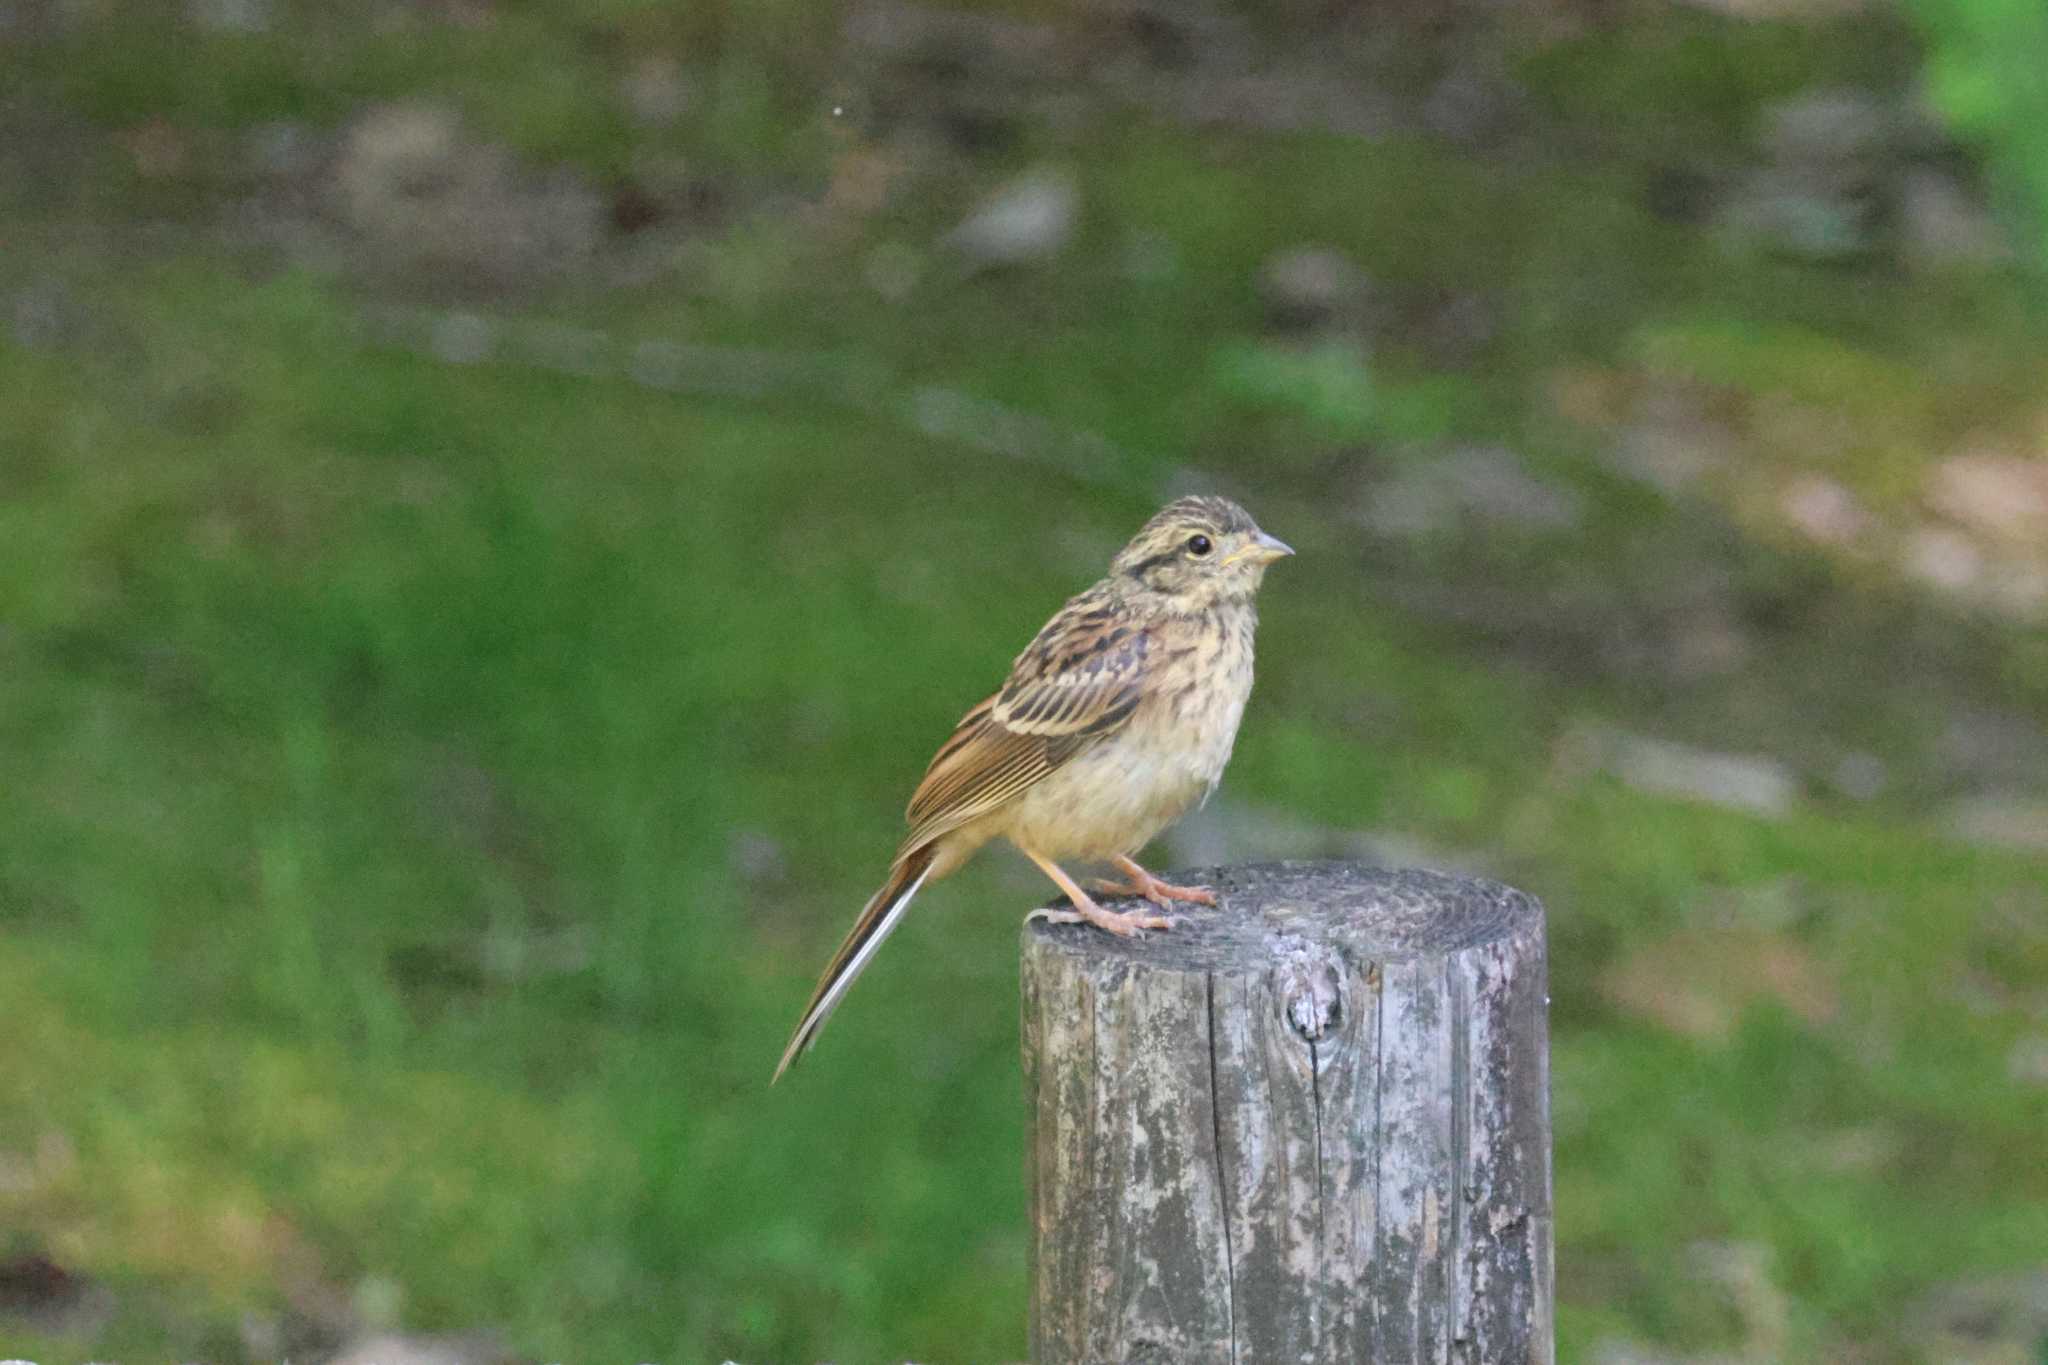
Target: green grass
417,722
431,787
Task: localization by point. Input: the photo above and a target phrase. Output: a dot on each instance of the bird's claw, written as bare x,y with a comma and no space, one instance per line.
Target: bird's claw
1124,924
1161,894
1132,921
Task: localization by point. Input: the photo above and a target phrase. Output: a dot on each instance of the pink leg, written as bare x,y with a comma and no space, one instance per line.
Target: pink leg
1123,925
1143,883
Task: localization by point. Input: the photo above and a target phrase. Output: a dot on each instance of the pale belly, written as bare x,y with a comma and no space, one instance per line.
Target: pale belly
1115,797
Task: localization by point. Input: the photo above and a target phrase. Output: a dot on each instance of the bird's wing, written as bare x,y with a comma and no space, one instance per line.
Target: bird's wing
1076,683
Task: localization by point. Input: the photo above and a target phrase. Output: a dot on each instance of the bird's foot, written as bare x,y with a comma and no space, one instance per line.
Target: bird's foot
1160,893
1121,923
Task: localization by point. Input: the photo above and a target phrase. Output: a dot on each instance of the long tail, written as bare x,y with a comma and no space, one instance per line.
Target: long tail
877,918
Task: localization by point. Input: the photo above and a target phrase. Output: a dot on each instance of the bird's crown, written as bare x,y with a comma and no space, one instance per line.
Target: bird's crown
1217,516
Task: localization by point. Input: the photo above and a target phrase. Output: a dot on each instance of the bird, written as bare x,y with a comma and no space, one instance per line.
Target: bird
1115,721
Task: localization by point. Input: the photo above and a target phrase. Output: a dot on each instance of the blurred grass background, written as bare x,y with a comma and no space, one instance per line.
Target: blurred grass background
498,500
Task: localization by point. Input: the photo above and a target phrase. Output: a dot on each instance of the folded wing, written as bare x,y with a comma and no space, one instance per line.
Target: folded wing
1077,683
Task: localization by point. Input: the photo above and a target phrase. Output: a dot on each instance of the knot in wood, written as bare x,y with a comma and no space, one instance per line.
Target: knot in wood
1311,983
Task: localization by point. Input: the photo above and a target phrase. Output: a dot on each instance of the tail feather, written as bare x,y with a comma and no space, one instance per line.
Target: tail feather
877,918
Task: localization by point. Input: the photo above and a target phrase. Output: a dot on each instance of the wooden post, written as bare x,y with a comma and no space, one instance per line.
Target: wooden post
1312,1124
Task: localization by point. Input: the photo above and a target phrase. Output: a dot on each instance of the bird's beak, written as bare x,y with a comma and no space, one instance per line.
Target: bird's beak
1262,549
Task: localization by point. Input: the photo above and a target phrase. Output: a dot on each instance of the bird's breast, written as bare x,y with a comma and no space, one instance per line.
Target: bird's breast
1193,720
1116,796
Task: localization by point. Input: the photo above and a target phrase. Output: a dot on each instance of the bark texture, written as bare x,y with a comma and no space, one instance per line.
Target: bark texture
1312,1124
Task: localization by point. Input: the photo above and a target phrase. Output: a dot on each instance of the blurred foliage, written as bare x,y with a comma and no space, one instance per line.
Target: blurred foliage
434,772
1987,72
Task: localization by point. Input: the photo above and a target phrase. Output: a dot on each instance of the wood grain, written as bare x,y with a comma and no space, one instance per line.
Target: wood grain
1309,1125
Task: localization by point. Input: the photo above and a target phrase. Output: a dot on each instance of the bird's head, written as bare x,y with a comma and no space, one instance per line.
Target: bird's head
1199,551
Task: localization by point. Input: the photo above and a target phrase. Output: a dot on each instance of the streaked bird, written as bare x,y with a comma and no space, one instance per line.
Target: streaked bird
1115,721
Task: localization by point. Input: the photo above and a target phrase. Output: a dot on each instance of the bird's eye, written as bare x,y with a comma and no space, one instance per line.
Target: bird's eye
1199,545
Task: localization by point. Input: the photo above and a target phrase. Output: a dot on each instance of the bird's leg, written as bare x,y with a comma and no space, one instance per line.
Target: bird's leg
1121,924
1143,883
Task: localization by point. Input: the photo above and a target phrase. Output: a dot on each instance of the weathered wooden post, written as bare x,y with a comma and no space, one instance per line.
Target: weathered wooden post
1312,1124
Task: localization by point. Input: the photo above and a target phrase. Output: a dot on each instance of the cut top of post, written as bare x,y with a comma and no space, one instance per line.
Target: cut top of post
1268,910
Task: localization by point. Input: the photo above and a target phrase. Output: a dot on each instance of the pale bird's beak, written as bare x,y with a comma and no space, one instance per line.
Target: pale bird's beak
1262,549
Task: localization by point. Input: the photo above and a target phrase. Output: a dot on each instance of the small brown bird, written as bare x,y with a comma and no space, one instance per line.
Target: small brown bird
1115,720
